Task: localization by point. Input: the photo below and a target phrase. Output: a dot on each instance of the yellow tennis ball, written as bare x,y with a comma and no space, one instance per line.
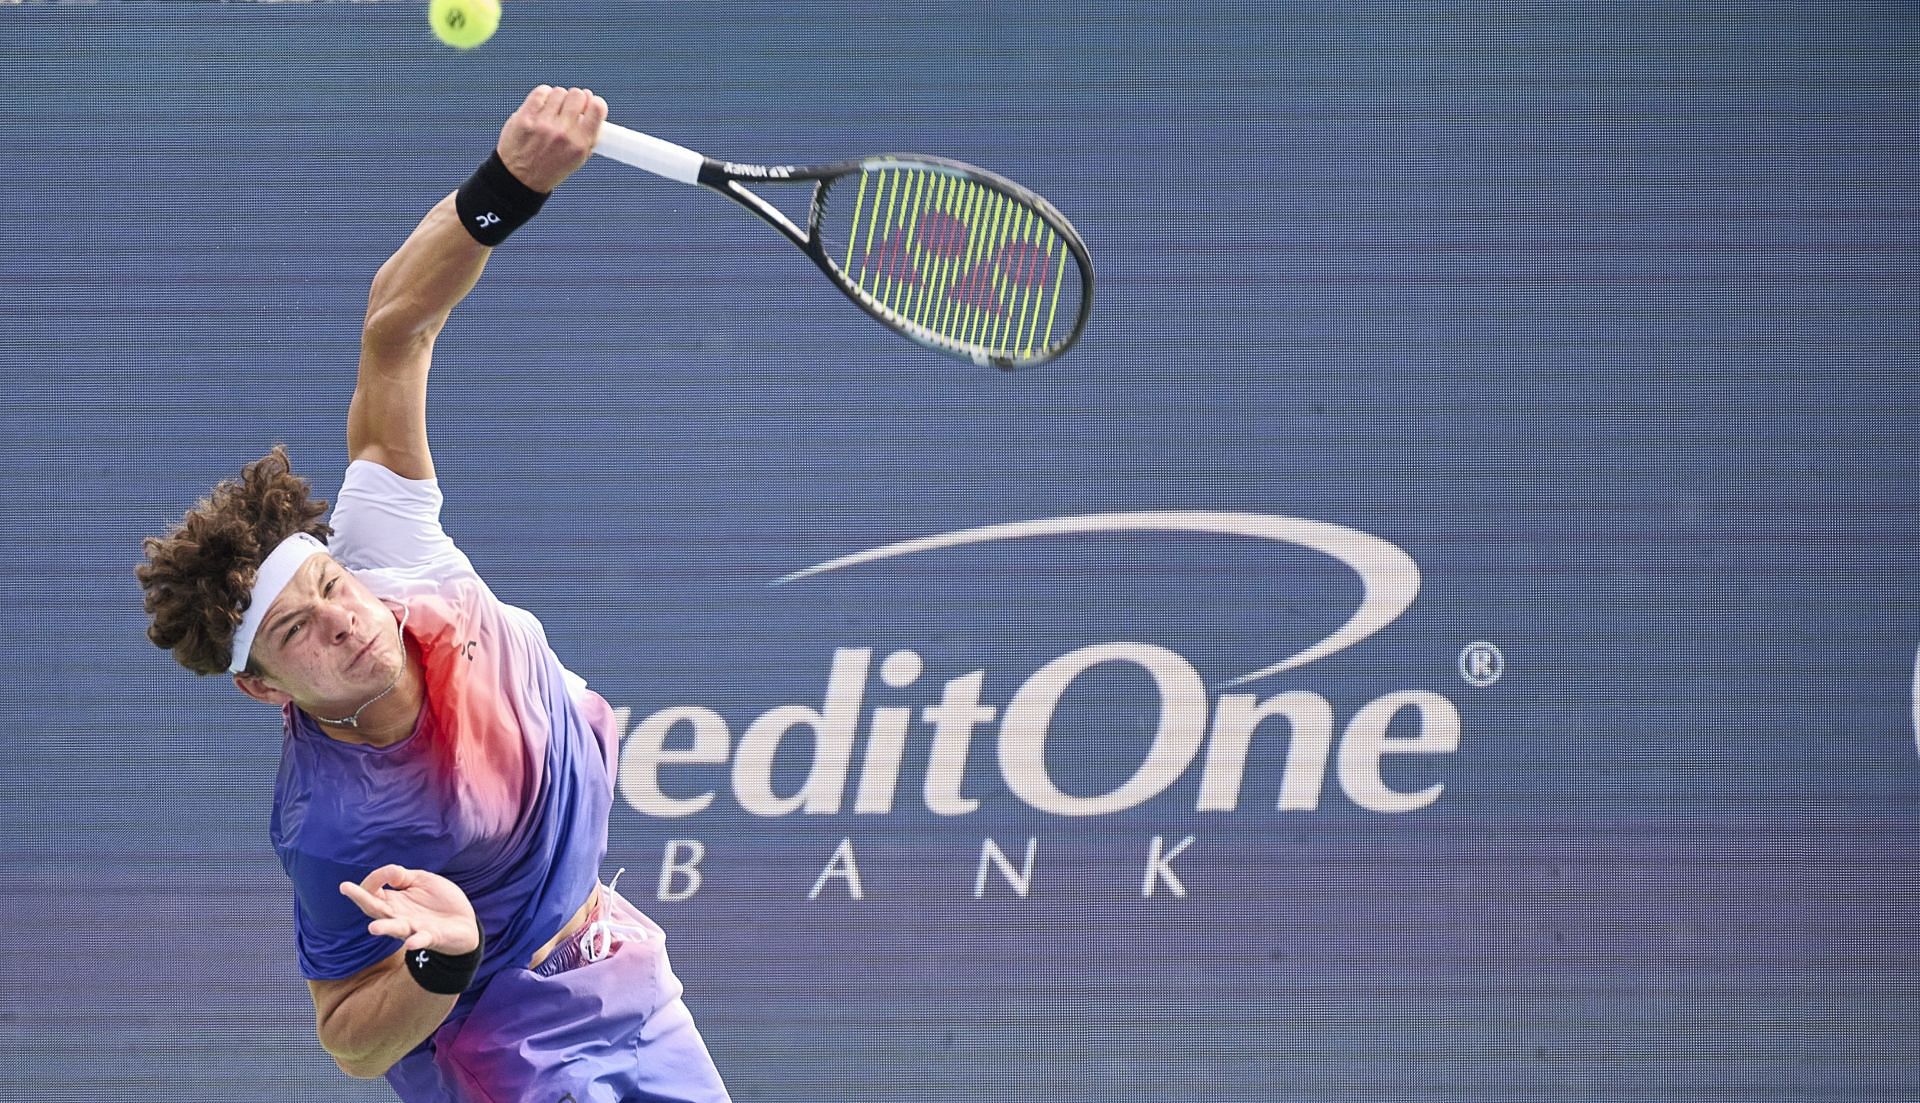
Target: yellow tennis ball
464,24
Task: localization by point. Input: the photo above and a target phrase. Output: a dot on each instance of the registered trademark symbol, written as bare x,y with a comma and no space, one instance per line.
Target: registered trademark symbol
1481,663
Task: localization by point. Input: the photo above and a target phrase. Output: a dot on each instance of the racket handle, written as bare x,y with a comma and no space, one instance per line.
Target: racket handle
644,151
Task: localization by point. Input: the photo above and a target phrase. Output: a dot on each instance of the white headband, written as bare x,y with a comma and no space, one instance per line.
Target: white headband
275,573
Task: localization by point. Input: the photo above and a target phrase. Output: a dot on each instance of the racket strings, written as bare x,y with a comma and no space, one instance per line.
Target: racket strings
965,264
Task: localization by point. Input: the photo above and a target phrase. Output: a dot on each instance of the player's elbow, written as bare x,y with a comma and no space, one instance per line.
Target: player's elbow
399,313
399,323
360,1066
361,1070
353,1060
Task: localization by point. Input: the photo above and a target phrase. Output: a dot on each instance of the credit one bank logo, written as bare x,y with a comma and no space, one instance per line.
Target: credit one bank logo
855,742
1208,728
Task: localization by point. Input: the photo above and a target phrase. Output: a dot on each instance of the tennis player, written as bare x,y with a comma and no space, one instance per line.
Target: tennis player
444,782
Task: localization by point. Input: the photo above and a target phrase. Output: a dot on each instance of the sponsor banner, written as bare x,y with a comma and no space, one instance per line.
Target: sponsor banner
970,750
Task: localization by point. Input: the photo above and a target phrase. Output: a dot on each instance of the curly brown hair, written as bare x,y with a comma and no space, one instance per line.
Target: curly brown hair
199,577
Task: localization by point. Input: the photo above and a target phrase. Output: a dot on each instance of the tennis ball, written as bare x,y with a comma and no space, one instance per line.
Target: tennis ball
464,24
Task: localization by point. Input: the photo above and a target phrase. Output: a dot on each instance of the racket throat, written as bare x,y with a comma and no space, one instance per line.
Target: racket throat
759,205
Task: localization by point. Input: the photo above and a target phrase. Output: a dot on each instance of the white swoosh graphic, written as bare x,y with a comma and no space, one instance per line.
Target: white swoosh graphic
1389,578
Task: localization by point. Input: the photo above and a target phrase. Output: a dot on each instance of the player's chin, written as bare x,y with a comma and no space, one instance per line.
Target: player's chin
372,669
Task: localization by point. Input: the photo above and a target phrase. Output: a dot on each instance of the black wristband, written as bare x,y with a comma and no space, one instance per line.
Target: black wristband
446,974
493,204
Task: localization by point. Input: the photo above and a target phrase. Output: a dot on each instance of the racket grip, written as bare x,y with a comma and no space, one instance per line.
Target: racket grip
644,151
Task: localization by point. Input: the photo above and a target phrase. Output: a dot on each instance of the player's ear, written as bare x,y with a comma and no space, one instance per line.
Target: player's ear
260,689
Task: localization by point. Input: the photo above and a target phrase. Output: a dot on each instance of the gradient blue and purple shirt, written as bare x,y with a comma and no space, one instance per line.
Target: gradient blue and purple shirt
503,787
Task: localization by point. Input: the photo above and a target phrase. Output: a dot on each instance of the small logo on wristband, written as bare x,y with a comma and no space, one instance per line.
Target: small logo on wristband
488,219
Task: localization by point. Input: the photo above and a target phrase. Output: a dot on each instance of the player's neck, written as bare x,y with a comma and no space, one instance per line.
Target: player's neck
389,719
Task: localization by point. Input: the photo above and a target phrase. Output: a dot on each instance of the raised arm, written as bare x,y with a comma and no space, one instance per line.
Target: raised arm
546,139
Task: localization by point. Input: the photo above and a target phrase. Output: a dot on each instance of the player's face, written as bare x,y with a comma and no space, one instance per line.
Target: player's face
328,641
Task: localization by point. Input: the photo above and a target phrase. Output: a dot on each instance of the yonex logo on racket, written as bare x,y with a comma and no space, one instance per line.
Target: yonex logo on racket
762,172
993,282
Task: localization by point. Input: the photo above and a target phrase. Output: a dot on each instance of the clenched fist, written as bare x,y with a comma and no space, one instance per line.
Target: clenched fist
551,135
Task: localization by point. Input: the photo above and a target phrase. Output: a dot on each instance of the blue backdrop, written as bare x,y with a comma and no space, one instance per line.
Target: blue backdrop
1593,329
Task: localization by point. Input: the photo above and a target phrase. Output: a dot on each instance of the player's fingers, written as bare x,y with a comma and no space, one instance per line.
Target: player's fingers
537,99
391,928
365,901
398,876
554,103
417,941
596,110
575,103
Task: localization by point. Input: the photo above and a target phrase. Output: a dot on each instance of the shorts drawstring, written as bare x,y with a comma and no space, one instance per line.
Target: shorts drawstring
598,939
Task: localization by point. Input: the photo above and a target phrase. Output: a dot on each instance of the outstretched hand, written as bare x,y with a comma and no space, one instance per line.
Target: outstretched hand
425,910
551,135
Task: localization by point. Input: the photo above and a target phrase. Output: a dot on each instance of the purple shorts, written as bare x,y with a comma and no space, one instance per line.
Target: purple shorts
600,1021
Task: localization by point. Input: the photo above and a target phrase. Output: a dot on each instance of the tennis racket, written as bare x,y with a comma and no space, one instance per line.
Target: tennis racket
960,259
